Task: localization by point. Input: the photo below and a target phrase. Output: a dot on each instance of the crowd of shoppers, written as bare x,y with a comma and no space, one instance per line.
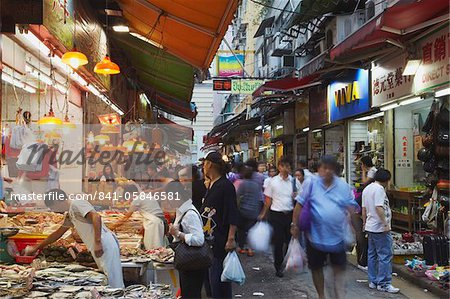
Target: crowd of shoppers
223,202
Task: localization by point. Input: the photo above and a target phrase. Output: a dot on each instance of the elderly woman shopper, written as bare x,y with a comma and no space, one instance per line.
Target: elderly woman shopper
188,228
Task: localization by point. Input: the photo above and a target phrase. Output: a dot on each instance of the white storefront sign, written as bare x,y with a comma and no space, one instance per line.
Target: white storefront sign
388,83
434,51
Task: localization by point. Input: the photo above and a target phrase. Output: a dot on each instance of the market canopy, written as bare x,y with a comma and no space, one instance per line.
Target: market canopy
287,84
163,76
190,30
178,132
402,19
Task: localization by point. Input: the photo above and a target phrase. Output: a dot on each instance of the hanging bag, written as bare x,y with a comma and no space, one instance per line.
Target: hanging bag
191,258
305,218
232,269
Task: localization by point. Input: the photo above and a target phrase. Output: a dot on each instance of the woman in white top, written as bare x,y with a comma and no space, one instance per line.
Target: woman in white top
188,228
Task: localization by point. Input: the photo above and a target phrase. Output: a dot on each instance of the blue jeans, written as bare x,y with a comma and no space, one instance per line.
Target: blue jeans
219,289
380,258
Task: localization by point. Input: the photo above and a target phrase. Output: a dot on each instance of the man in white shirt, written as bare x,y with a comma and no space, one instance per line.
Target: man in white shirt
279,204
377,216
272,172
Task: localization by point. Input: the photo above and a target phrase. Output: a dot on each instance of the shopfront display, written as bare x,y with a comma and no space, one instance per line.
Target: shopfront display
301,130
318,118
366,138
334,143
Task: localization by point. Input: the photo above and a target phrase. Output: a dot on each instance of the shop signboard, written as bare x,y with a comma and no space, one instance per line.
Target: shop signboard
245,86
388,82
222,85
90,37
301,115
318,109
434,52
229,65
349,96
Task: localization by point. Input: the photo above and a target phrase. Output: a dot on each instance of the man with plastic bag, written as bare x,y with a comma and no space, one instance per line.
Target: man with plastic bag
325,201
278,207
222,217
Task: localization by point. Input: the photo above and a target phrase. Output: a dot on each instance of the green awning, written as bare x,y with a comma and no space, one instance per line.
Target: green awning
157,70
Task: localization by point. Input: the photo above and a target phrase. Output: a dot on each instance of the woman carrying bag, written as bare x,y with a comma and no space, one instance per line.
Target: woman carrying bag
192,255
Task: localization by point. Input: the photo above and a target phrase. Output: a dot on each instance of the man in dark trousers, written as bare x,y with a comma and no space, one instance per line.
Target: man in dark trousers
278,206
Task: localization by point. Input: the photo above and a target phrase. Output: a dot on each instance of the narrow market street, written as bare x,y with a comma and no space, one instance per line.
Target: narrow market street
156,149
300,285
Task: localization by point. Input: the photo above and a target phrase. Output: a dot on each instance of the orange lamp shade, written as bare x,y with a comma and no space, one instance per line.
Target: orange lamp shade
102,139
74,59
106,67
50,120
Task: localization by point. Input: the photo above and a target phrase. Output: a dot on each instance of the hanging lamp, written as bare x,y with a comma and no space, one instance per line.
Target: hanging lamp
102,139
67,124
74,58
108,127
50,118
106,66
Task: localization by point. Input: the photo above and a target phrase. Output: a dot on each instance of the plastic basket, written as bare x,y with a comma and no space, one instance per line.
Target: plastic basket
25,259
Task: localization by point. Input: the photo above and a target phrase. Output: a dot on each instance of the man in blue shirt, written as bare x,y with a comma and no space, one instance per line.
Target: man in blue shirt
330,198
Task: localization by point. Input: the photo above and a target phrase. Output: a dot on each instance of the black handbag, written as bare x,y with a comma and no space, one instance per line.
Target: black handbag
443,137
191,258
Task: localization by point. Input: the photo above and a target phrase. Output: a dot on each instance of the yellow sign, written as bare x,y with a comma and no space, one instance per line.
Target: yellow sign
347,94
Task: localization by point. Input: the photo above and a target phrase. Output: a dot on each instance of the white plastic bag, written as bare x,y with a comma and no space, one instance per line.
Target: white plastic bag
349,234
295,258
259,236
232,269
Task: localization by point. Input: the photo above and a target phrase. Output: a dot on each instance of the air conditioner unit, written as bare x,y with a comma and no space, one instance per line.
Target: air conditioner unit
374,8
268,31
359,18
280,44
288,61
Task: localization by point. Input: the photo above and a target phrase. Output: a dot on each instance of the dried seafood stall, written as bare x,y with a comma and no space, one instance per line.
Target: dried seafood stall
66,269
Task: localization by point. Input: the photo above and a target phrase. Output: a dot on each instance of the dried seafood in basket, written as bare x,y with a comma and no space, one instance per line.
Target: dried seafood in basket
37,222
161,255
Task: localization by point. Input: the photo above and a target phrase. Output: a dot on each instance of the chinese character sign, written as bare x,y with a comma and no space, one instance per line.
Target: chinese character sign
243,86
388,82
434,51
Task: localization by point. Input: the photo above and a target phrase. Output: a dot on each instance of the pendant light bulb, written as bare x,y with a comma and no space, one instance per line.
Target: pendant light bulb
106,67
74,59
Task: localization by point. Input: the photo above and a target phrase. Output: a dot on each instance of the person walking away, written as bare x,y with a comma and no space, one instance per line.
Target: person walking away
377,223
330,198
299,175
272,172
278,207
188,228
99,240
153,217
220,206
303,165
250,203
